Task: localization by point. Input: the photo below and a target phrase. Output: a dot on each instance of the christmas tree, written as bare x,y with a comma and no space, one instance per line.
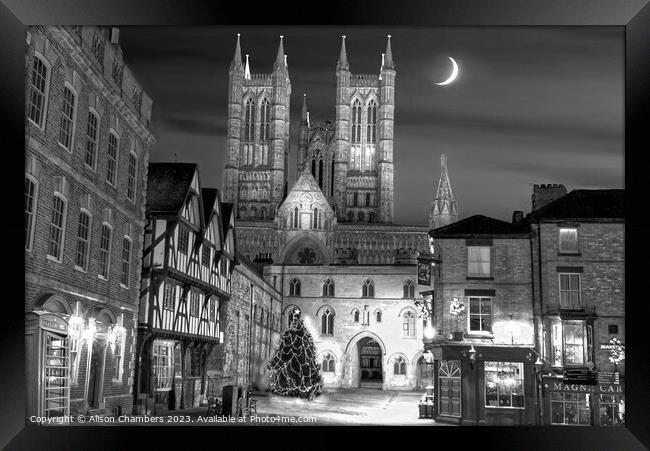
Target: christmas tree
294,370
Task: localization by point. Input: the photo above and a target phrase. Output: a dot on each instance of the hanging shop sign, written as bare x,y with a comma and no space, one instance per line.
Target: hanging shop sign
424,273
53,323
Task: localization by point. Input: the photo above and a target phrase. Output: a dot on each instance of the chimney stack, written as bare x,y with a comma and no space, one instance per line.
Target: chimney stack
546,193
517,217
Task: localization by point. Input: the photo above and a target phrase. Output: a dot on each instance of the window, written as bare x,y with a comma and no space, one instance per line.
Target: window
355,199
355,315
83,240
194,303
294,287
118,358
105,250
372,123
328,288
205,257
328,364
295,218
66,128
320,174
356,122
315,223
92,130
504,384
31,194
169,295
264,121
57,227
38,94
368,289
163,364
570,408
399,366
409,289
126,261
111,166
130,185
610,410
249,132
478,261
183,239
408,324
568,342
480,314
378,316
612,328
327,322
568,239
570,290
366,316
367,199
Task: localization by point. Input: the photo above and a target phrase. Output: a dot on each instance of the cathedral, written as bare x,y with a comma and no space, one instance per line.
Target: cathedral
328,242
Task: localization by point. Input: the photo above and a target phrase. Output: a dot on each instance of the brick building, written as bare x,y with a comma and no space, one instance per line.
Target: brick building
252,330
482,315
87,142
187,265
579,271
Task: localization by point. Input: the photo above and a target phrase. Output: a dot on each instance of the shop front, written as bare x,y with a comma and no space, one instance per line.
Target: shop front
485,385
601,404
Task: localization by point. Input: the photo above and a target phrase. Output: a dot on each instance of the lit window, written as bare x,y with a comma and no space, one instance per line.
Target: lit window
611,413
568,240
570,408
163,364
294,287
57,227
91,140
66,128
327,322
408,324
133,168
478,261
504,384
105,250
368,289
480,314
569,340
570,290
31,194
83,240
126,261
399,366
37,98
111,166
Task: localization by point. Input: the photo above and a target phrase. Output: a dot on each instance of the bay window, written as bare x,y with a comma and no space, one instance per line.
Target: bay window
571,342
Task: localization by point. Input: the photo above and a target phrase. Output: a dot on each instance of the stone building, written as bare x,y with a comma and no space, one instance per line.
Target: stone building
579,274
482,315
187,265
252,330
87,140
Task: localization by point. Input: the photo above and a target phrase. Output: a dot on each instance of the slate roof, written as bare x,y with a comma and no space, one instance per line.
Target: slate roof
167,186
478,225
584,204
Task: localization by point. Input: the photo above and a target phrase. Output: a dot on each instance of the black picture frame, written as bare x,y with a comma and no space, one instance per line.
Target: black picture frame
634,15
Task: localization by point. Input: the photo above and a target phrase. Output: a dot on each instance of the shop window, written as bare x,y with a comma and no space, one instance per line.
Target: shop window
399,366
328,365
478,261
570,290
504,384
612,410
568,239
480,315
163,364
408,324
570,408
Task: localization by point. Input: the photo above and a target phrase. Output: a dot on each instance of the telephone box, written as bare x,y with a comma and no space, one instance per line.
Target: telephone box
47,365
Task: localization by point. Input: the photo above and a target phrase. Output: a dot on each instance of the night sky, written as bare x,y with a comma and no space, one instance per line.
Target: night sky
530,105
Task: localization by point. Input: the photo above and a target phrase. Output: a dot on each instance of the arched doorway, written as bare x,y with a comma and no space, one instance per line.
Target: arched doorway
424,373
370,368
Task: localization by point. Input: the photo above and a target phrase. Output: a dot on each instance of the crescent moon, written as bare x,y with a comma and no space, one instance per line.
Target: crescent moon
454,73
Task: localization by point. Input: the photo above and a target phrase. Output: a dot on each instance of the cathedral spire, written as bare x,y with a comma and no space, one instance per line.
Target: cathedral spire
247,70
304,114
236,60
280,62
444,208
343,57
389,56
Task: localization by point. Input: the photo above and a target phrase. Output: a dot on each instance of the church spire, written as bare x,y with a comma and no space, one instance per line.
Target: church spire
236,60
343,57
280,62
388,60
247,70
444,208
304,114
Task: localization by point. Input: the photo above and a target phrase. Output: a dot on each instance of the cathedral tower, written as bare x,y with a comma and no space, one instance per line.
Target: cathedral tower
257,141
363,141
444,208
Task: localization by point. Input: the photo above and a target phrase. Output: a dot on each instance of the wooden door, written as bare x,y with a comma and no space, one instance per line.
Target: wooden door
449,393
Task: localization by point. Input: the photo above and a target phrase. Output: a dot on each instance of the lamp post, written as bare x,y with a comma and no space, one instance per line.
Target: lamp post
539,364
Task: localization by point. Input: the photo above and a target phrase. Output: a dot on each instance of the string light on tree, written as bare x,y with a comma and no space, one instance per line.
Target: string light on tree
294,371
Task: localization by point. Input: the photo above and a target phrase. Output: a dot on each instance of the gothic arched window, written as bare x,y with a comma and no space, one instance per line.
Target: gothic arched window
371,216
328,288
372,123
378,316
356,121
294,287
355,315
327,322
242,213
315,223
409,289
332,178
408,324
262,213
313,168
368,289
264,121
399,366
295,218
328,364
367,199
320,174
249,131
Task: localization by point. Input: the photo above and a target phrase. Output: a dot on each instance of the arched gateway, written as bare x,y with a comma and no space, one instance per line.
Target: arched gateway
365,360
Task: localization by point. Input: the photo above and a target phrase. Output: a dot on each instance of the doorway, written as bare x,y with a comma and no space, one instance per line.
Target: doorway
449,382
424,373
370,369
96,375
